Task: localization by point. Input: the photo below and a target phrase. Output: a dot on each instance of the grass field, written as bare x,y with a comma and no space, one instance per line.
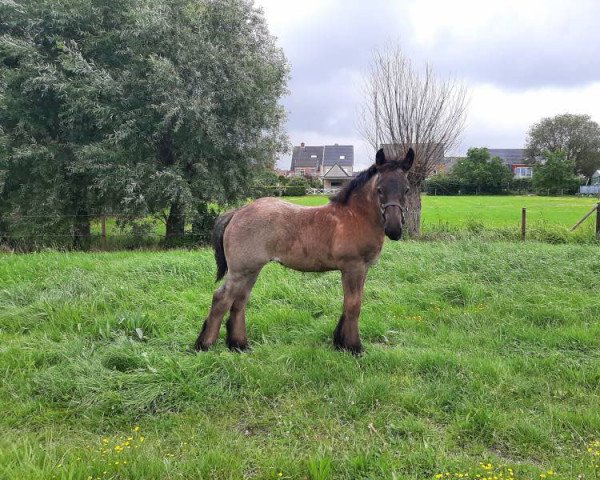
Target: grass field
476,353
443,218
491,211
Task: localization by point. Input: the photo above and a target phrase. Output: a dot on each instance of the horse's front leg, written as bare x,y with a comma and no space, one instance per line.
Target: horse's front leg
346,334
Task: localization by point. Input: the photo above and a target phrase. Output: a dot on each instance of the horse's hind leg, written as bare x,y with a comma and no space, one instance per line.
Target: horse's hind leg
236,324
223,299
221,302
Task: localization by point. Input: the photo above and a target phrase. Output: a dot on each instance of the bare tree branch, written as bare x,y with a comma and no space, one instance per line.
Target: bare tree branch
406,108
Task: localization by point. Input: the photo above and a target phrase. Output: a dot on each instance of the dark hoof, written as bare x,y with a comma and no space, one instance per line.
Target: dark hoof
238,346
200,345
354,348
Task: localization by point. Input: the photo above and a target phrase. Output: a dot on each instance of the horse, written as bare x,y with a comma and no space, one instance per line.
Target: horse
346,234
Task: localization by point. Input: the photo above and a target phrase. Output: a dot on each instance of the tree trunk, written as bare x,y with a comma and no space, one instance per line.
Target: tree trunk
175,221
413,216
82,230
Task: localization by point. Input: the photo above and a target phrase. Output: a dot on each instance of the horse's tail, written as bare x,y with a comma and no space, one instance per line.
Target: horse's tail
217,241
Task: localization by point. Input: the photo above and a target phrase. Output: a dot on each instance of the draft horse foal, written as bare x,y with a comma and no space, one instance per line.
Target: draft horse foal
346,234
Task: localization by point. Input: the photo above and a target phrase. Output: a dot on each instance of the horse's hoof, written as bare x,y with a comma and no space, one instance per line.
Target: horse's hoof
355,348
238,346
199,345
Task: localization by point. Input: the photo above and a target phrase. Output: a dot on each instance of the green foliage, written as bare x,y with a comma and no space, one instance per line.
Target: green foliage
549,219
267,183
577,136
296,186
556,176
132,107
461,339
443,184
521,186
479,173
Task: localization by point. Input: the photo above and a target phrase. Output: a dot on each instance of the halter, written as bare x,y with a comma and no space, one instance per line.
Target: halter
403,210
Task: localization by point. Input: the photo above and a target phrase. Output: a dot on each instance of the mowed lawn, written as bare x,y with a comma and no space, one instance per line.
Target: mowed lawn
490,211
474,353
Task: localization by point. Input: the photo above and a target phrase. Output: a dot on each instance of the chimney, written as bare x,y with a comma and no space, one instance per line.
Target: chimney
302,145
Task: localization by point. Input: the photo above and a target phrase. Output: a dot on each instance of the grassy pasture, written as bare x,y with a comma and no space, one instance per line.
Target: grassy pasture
443,218
475,352
491,212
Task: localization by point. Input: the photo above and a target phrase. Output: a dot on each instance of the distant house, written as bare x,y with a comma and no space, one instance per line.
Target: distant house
335,177
513,158
338,166
307,160
340,155
332,163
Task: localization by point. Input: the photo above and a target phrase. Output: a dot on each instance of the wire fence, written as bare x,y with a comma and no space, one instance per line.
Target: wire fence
118,231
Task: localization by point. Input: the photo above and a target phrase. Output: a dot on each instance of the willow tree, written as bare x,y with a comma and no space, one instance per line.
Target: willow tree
404,107
133,107
201,82
54,109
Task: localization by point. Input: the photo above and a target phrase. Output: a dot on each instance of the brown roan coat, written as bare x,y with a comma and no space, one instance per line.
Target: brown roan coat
347,234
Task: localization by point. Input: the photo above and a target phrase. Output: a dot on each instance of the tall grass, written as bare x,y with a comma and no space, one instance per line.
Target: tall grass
475,352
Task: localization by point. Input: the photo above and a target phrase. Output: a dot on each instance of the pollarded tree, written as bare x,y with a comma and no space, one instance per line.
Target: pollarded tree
406,108
577,136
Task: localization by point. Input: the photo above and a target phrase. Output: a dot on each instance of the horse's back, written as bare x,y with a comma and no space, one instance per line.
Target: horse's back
271,229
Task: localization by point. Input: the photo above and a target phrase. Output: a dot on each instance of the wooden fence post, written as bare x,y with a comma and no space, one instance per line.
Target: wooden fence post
598,221
523,223
103,232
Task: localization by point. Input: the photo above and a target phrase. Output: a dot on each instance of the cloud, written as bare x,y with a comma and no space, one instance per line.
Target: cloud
522,60
514,43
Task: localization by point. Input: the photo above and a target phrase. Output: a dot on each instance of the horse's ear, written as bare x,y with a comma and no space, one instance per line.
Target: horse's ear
408,160
380,157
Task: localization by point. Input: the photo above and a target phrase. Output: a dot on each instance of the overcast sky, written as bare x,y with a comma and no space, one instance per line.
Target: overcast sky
521,59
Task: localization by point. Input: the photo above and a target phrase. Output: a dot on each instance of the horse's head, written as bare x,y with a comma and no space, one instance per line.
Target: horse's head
392,186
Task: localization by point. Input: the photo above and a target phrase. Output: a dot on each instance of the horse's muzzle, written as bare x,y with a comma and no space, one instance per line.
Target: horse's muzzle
393,233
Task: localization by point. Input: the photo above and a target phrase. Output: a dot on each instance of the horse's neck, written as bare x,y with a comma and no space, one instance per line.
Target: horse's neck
364,202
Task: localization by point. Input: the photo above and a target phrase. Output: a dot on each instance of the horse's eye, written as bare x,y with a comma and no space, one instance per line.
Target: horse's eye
379,190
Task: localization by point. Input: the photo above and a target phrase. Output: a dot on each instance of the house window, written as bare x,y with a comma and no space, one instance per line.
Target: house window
523,172
300,172
342,157
313,156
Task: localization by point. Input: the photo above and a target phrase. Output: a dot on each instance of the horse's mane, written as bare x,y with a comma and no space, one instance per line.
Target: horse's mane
360,181
356,183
